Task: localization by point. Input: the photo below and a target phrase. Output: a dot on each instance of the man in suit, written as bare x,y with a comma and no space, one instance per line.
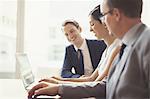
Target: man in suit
129,76
91,49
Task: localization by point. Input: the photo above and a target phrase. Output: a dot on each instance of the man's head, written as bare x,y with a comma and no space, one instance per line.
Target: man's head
71,29
120,15
130,8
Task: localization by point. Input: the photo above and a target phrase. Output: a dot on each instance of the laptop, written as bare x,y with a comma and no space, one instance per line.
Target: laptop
27,75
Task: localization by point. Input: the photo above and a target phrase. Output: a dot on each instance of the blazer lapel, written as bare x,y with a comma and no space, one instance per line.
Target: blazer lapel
79,68
90,52
75,59
74,55
117,73
112,69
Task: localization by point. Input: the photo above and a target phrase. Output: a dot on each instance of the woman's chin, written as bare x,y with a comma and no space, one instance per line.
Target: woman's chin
73,39
99,38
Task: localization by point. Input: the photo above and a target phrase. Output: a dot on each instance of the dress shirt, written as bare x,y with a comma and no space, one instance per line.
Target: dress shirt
88,68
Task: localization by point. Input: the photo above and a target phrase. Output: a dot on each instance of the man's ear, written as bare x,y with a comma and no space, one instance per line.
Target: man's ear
117,13
80,29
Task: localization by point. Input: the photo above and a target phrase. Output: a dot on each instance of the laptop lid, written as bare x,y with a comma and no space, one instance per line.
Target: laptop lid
25,69
27,75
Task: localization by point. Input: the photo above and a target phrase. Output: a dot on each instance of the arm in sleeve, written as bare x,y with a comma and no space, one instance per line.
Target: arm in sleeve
67,67
83,90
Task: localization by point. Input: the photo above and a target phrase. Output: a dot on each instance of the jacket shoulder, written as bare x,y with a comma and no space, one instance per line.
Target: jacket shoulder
95,41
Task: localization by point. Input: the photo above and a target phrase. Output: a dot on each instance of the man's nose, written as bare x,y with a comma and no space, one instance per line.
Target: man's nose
70,35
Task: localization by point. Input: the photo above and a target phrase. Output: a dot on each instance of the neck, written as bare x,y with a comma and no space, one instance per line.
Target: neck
78,42
129,23
109,40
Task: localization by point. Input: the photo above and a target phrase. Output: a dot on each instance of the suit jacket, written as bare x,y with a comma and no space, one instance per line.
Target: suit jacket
96,48
128,79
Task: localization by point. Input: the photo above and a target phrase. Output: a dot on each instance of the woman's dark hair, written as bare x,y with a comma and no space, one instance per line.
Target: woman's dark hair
73,22
96,13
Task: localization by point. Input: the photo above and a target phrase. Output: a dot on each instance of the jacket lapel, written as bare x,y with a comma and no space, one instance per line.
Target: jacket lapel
75,61
117,73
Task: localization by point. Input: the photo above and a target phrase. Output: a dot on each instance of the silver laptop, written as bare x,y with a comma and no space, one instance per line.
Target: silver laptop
26,74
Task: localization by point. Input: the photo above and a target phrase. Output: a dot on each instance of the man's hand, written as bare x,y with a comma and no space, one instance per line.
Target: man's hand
50,80
83,76
44,88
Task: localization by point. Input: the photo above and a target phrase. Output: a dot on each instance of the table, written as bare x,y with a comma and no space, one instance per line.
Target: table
12,89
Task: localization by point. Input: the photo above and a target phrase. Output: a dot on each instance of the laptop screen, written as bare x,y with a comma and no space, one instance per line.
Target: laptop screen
25,69
27,75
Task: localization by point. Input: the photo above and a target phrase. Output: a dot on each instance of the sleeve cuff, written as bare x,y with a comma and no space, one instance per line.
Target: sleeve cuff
60,90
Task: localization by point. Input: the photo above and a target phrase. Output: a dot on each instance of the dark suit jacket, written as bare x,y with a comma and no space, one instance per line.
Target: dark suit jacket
96,48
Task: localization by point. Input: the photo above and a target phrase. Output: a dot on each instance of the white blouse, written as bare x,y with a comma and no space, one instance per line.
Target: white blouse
105,56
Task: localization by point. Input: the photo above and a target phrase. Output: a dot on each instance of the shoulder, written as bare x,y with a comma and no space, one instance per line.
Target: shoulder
95,42
141,46
140,50
144,39
70,47
146,34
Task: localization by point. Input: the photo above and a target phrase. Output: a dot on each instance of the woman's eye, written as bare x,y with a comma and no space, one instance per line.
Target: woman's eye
71,31
66,34
92,24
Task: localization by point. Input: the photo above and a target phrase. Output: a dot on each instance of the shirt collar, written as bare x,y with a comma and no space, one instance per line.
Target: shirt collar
82,47
128,37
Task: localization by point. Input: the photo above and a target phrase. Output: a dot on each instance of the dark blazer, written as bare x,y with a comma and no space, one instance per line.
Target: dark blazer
96,48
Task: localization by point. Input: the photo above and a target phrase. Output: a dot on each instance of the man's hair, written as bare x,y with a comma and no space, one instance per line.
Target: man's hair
131,8
70,21
96,13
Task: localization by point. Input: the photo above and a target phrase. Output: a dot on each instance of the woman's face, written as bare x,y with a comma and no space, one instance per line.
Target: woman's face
71,32
97,28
